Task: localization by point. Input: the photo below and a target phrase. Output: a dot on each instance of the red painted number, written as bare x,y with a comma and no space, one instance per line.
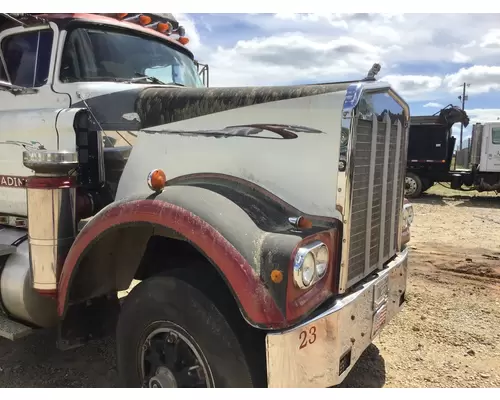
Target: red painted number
307,336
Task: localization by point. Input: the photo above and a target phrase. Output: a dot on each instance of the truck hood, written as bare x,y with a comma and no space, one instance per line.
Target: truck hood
281,139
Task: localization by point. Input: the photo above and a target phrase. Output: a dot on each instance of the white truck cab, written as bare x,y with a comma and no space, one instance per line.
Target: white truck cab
56,62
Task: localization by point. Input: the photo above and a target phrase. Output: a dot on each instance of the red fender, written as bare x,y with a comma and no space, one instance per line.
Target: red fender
255,300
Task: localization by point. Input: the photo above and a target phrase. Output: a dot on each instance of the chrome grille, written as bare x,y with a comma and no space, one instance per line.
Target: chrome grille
377,187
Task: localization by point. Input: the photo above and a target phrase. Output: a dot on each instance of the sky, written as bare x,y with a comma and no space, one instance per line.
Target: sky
425,57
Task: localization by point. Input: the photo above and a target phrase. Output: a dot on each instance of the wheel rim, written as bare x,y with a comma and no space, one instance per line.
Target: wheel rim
171,358
410,186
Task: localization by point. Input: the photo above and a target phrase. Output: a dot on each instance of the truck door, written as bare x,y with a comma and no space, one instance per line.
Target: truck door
492,148
26,120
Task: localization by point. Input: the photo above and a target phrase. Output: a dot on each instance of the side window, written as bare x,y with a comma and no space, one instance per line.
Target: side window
495,135
27,57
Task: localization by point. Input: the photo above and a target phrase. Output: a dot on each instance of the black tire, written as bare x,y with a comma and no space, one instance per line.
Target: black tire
161,301
413,186
426,184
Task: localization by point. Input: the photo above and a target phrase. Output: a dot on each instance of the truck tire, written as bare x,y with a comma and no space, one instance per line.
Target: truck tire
170,334
413,185
426,184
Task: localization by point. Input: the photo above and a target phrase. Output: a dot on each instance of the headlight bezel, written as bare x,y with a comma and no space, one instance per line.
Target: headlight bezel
408,215
320,266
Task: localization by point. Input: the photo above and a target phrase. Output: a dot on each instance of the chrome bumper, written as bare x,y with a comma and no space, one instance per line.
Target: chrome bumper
322,351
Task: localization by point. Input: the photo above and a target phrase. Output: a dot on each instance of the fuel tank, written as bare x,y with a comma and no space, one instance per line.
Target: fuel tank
16,287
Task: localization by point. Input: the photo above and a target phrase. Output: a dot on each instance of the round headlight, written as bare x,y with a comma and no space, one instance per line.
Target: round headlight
308,267
410,215
321,261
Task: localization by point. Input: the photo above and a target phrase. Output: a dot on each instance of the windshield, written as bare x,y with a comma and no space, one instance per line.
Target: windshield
95,54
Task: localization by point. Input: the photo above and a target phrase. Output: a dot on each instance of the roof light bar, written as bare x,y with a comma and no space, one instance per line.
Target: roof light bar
161,25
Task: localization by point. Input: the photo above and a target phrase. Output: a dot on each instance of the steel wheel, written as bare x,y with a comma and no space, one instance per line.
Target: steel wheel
171,358
410,186
413,186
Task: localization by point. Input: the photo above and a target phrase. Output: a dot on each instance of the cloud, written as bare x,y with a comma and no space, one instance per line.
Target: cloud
433,105
483,114
482,79
414,86
423,55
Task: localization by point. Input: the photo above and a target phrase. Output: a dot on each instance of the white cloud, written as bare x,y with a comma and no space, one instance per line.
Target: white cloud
481,78
483,114
433,105
289,48
414,86
460,58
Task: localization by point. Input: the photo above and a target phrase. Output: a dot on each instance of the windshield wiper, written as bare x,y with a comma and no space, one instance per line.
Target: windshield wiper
140,77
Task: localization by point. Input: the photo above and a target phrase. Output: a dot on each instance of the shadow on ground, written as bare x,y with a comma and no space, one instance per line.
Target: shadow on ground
466,201
36,362
369,371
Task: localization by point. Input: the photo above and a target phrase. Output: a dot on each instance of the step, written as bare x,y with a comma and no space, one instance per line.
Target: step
13,330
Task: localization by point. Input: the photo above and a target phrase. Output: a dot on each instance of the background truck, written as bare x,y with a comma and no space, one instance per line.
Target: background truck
259,261
431,148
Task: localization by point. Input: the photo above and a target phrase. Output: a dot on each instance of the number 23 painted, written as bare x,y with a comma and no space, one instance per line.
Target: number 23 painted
307,336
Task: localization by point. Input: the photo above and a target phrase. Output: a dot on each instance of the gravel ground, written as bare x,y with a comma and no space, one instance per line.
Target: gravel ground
448,334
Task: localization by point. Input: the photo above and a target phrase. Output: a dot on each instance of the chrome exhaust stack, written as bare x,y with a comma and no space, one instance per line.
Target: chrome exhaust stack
51,199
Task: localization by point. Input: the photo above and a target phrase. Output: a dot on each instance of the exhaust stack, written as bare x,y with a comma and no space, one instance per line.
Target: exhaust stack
51,199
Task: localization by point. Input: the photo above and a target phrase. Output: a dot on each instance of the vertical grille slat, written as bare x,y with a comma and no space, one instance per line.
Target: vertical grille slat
377,183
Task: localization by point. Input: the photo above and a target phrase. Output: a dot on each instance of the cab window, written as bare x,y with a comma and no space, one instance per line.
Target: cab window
495,135
92,54
27,57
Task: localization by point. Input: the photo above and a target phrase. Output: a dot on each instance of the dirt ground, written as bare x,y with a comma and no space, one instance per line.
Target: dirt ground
448,335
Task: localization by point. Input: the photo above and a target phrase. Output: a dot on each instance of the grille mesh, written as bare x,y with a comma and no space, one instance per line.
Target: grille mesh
374,206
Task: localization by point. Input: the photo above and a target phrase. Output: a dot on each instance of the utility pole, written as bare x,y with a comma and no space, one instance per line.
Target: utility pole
463,97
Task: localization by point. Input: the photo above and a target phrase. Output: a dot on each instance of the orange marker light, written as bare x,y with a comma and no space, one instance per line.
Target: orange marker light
121,16
163,27
304,223
183,40
276,276
144,20
157,180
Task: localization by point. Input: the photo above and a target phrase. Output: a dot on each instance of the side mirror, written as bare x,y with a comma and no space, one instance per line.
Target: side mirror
203,72
16,90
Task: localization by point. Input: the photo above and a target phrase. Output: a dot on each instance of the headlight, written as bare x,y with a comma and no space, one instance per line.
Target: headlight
311,264
322,261
408,215
308,269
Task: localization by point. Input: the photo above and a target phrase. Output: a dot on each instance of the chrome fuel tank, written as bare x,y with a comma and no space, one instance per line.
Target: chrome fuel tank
18,297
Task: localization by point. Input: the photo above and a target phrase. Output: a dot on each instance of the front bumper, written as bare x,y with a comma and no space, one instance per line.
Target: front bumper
322,351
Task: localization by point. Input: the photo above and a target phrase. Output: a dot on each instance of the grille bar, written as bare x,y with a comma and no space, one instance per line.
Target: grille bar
396,181
384,189
371,179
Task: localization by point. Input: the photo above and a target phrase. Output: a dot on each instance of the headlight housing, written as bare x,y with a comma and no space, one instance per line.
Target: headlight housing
408,215
310,264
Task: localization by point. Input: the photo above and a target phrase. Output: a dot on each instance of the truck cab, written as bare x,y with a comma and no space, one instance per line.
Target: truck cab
53,64
265,227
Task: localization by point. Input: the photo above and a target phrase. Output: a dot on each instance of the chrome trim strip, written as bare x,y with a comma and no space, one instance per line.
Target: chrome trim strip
395,180
371,179
344,178
385,176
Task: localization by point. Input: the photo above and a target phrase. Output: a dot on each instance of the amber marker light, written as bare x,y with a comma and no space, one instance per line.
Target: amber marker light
276,276
157,180
163,27
183,40
144,20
